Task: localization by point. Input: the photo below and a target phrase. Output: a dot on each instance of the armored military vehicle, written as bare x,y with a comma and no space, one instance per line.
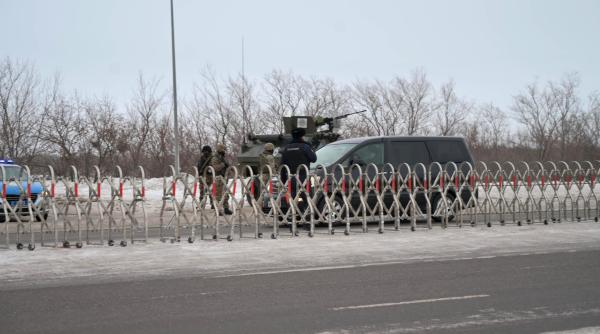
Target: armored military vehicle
320,131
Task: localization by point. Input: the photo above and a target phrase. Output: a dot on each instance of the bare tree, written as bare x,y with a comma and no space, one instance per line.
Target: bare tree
451,112
284,96
19,116
417,93
142,112
494,126
536,110
64,129
106,134
383,105
567,110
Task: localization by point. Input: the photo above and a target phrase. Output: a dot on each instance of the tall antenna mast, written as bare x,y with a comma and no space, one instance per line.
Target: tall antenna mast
175,123
244,116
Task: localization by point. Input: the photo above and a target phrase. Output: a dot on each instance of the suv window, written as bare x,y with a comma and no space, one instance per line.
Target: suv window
368,154
410,152
444,151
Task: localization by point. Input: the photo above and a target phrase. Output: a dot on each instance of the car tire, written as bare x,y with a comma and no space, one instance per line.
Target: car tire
438,201
338,213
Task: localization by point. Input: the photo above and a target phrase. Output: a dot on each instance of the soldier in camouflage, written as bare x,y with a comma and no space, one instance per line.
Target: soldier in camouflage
220,165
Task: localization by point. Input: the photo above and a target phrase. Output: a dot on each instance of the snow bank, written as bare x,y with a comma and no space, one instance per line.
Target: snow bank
49,266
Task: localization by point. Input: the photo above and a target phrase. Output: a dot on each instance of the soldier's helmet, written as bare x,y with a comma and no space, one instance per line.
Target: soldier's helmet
206,149
220,148
269,147
298,133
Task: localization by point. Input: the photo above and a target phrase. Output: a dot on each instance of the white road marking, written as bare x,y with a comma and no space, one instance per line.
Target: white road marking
421,301
364,265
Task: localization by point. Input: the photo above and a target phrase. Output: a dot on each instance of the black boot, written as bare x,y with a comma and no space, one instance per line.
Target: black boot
227,211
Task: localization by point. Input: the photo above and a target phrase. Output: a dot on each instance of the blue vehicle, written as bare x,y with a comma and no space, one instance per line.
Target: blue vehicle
16,189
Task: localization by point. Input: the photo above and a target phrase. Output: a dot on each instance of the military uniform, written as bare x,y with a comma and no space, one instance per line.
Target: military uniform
267,159
203,171
219,164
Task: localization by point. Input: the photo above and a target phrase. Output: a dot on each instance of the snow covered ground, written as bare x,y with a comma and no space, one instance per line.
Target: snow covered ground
57,267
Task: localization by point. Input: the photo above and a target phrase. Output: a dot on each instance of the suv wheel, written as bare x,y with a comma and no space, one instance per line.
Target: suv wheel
337,213
438,211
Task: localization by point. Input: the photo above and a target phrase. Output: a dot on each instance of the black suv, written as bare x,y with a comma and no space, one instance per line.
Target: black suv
396,151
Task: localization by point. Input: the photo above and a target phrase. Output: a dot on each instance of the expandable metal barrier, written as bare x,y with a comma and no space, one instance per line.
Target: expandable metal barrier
354,198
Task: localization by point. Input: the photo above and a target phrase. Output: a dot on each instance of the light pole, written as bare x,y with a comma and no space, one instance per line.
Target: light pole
175,124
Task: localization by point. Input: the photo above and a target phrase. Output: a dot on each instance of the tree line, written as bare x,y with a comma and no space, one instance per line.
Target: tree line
41,124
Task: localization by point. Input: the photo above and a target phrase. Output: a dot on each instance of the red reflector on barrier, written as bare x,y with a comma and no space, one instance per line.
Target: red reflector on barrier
98,190
543,181
52,190
500,181
76,189
195,189
3,189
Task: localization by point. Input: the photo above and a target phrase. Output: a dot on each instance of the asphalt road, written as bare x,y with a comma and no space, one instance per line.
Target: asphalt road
508,294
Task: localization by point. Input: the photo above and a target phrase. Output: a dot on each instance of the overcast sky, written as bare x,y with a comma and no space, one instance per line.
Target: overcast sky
490,48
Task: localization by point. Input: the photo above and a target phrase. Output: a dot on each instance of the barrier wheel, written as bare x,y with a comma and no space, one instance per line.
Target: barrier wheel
190,240
112,242
296,234
332,231
545,221
229,238
123,243
66,244
310,234
214,237
519,223
380,230
346,232
259,235
31,247
412,228
489,224
596,219
19,246
273,236
502,222
578,219
78,244
172,240
529,221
